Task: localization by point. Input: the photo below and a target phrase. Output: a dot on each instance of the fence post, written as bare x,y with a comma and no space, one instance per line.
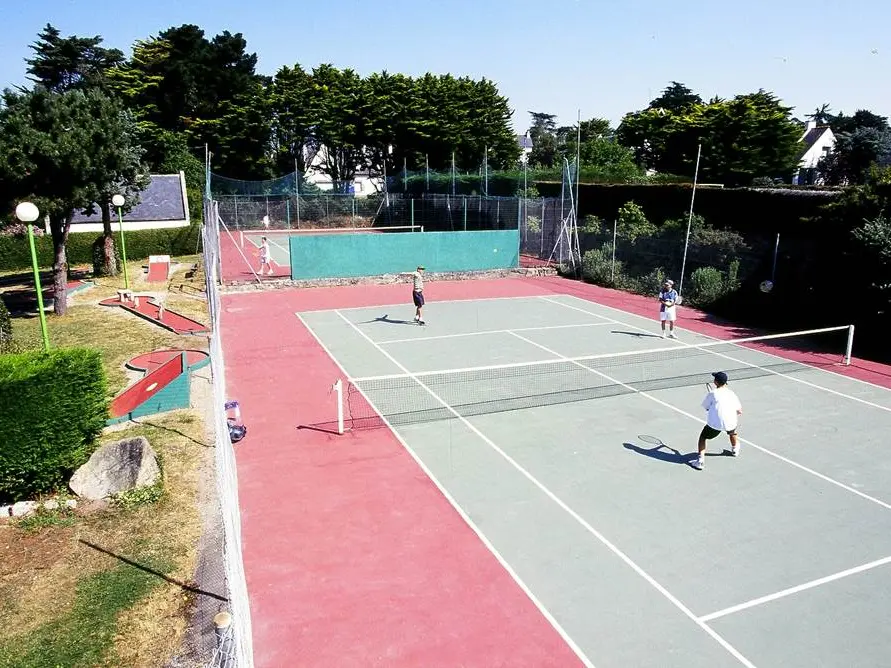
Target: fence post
412,208
465,213
288,213
849,347
613,270
298,210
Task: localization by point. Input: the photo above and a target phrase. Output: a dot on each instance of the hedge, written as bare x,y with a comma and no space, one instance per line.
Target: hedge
54,405
15,254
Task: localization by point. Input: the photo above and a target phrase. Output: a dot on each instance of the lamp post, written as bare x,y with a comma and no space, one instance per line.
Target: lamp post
28,213
118,201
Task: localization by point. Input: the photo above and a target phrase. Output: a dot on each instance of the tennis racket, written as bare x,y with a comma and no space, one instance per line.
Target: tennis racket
709,387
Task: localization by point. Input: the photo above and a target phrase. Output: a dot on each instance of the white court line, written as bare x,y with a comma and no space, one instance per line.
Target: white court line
715,338
734,359
464,516
409,305
801,467
795,590
562,504
492,331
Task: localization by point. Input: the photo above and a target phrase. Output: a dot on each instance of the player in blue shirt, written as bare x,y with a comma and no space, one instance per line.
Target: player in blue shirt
668,310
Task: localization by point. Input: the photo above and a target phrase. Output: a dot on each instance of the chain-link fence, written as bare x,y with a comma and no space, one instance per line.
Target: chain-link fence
235,650
716,263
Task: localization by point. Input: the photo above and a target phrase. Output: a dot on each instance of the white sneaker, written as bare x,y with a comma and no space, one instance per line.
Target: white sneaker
421,322
734,450
698,463
664,335
672,336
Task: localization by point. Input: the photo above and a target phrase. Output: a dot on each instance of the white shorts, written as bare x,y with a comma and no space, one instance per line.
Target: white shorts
671,313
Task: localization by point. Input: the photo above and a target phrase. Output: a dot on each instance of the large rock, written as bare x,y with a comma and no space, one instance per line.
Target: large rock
115,468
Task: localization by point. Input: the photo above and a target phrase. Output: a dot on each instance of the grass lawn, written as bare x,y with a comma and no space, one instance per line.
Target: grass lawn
109,585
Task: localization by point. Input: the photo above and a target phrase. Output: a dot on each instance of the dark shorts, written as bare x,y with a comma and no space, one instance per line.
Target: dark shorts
708,433
417,298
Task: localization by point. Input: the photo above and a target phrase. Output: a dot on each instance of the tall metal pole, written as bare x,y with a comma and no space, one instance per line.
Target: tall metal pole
689,221
776,250
38,287
123,250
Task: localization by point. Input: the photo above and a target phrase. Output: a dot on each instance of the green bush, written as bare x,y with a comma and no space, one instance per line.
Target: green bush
5,328
597,266
632,223
706,286
14,252
54,404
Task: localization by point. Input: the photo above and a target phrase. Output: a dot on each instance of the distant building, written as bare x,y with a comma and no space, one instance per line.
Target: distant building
817,141
163,204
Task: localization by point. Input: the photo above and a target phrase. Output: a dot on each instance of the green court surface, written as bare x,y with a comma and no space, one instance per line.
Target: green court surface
577,473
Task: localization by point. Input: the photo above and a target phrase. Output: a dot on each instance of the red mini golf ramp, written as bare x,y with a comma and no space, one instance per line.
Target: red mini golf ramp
164,388
158,269
149,310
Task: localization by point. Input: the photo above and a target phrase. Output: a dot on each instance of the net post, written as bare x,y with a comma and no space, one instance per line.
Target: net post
849,346
338,391
241,238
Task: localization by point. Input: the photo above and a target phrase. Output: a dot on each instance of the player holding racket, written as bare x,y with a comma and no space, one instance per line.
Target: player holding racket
668,310
723,409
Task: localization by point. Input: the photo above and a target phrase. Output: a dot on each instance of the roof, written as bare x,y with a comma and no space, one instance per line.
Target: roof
811,137
161,200
525,141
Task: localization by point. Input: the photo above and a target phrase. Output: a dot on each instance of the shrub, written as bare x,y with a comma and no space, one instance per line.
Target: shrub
54,404
591,225
14,252
706,286
597,266
5,328
633,223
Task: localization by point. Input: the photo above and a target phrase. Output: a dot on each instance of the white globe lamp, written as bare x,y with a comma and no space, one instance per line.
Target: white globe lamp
27,212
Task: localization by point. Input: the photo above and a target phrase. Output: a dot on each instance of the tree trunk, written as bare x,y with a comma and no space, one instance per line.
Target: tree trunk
105,260
59,228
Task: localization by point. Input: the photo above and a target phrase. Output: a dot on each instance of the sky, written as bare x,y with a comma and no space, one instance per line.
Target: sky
597,58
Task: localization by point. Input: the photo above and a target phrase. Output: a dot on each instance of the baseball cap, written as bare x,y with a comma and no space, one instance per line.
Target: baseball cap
720,377
421,267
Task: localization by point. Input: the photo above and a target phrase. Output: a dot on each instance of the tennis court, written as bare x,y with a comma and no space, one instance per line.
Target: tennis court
572,464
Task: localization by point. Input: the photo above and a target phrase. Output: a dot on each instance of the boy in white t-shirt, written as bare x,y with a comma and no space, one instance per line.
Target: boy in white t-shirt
723,409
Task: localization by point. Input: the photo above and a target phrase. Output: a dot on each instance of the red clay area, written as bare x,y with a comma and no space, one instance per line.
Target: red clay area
158,272
139,392
243,264
353,557
179,324
148,362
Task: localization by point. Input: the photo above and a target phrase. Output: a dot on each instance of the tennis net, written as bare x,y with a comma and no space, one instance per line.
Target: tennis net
411,398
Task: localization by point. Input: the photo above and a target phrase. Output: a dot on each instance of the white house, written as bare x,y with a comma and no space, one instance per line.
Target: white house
817,141
525,144
363,184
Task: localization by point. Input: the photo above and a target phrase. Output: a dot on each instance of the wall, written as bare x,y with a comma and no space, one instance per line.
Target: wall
375,254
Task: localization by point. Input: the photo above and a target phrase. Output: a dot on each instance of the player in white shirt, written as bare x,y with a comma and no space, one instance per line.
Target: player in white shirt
417,292
668,310
723,409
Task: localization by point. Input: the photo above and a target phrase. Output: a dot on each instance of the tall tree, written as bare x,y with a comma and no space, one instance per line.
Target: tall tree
543,133
743,138
181,81
676,98
66,151
861,142
293,120
821,115
67,63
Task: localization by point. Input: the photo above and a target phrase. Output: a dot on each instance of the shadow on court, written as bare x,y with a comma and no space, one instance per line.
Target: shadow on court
387,319
661,452
637,335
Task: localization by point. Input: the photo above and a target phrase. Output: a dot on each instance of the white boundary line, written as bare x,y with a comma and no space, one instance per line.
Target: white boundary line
714,338
578,518
700,420
734,359
464,516
795,590
409,305
492,331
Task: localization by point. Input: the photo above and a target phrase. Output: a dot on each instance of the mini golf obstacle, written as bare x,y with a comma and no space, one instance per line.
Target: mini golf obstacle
145,307
165,386
158,269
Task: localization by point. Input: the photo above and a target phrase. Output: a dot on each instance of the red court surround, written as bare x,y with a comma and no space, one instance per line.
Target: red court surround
352,556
